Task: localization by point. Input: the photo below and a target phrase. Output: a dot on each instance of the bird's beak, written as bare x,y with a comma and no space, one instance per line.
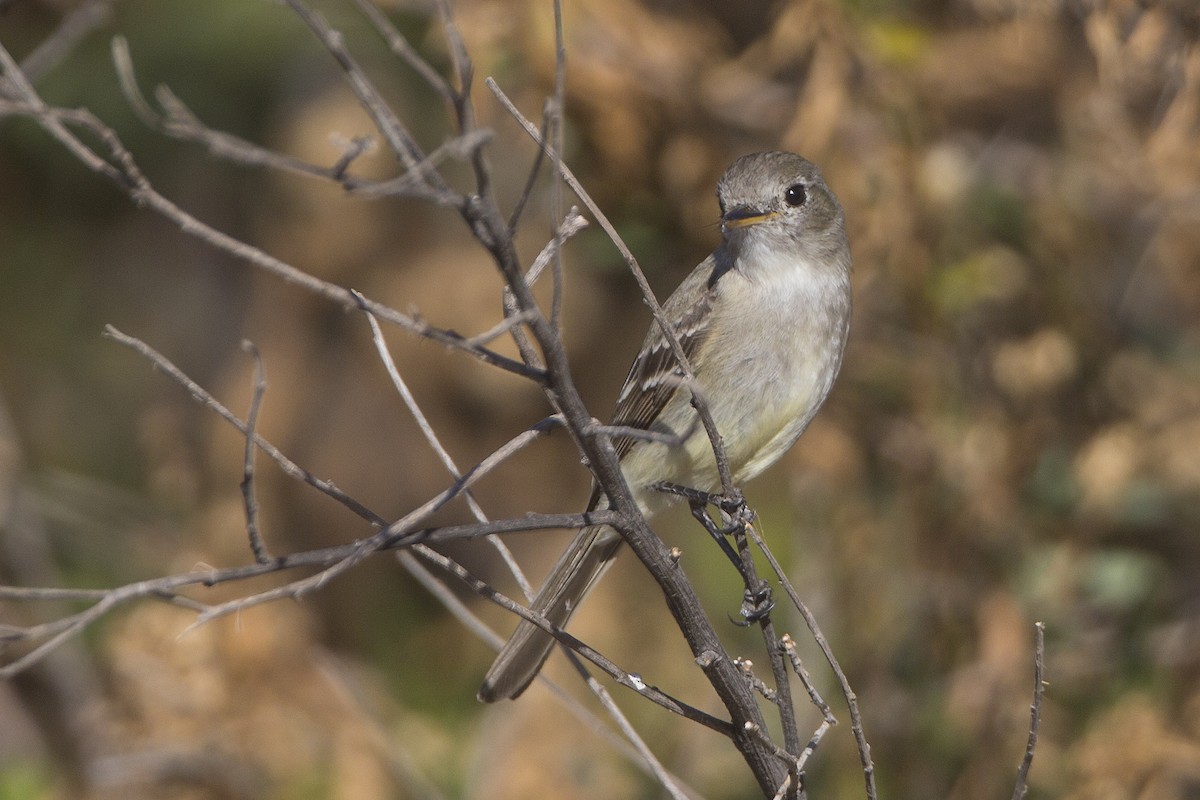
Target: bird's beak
745,217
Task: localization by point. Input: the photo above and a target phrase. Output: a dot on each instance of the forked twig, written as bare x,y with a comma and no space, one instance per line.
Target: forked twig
431,437
856,725
179,122
651,693
123,171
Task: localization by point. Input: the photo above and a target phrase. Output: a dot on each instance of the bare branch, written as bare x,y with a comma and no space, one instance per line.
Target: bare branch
453,340
1035,710
516,319
400,46
124,172
447,460
49,595
604,664
472,623
514,217
759,735
477,472
330,560
395,133
199,394
640,434
81,21
760,686
655,767
460,59
813,743
412,182
572,224
784,787
856,726
180,123
789,649
555,124
828,720
758,605
410,402
250,504
464,73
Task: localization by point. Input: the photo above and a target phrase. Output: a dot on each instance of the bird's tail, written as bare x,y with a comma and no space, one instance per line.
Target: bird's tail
573,576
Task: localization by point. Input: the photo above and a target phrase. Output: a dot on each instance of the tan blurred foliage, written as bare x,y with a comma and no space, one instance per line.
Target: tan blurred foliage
1015,436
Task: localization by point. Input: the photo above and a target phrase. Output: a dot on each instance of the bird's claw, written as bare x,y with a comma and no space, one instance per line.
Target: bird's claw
757,603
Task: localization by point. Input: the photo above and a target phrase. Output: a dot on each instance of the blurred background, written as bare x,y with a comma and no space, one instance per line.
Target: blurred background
1015,435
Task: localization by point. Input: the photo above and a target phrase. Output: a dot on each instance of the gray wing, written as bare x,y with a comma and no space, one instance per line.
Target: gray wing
654,377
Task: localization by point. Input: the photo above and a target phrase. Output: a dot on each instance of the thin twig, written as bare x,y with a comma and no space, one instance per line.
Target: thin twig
1035,710
49,594
499,456
639,434
813,744
555,119
760,686
398,382
464,73
249,503
401,47
202,396
81,21
180,123
411,183
572,224
514,217
328,559
443,454
760,735
395,133
472,623
651,762
789,649
856,726
828,719
755,590
499,329
622,677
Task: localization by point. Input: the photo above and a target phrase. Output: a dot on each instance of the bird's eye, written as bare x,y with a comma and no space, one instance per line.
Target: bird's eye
795,195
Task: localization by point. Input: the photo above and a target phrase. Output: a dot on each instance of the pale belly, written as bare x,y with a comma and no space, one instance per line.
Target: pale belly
761,406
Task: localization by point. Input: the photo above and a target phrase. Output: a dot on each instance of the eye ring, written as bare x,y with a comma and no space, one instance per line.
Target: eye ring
795,195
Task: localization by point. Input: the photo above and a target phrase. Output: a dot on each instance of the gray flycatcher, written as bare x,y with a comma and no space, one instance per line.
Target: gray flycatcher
763,321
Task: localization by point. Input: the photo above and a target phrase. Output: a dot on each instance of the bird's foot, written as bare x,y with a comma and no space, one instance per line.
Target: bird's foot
736,515
757,604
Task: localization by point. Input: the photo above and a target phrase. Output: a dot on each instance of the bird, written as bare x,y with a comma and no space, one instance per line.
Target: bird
763,322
